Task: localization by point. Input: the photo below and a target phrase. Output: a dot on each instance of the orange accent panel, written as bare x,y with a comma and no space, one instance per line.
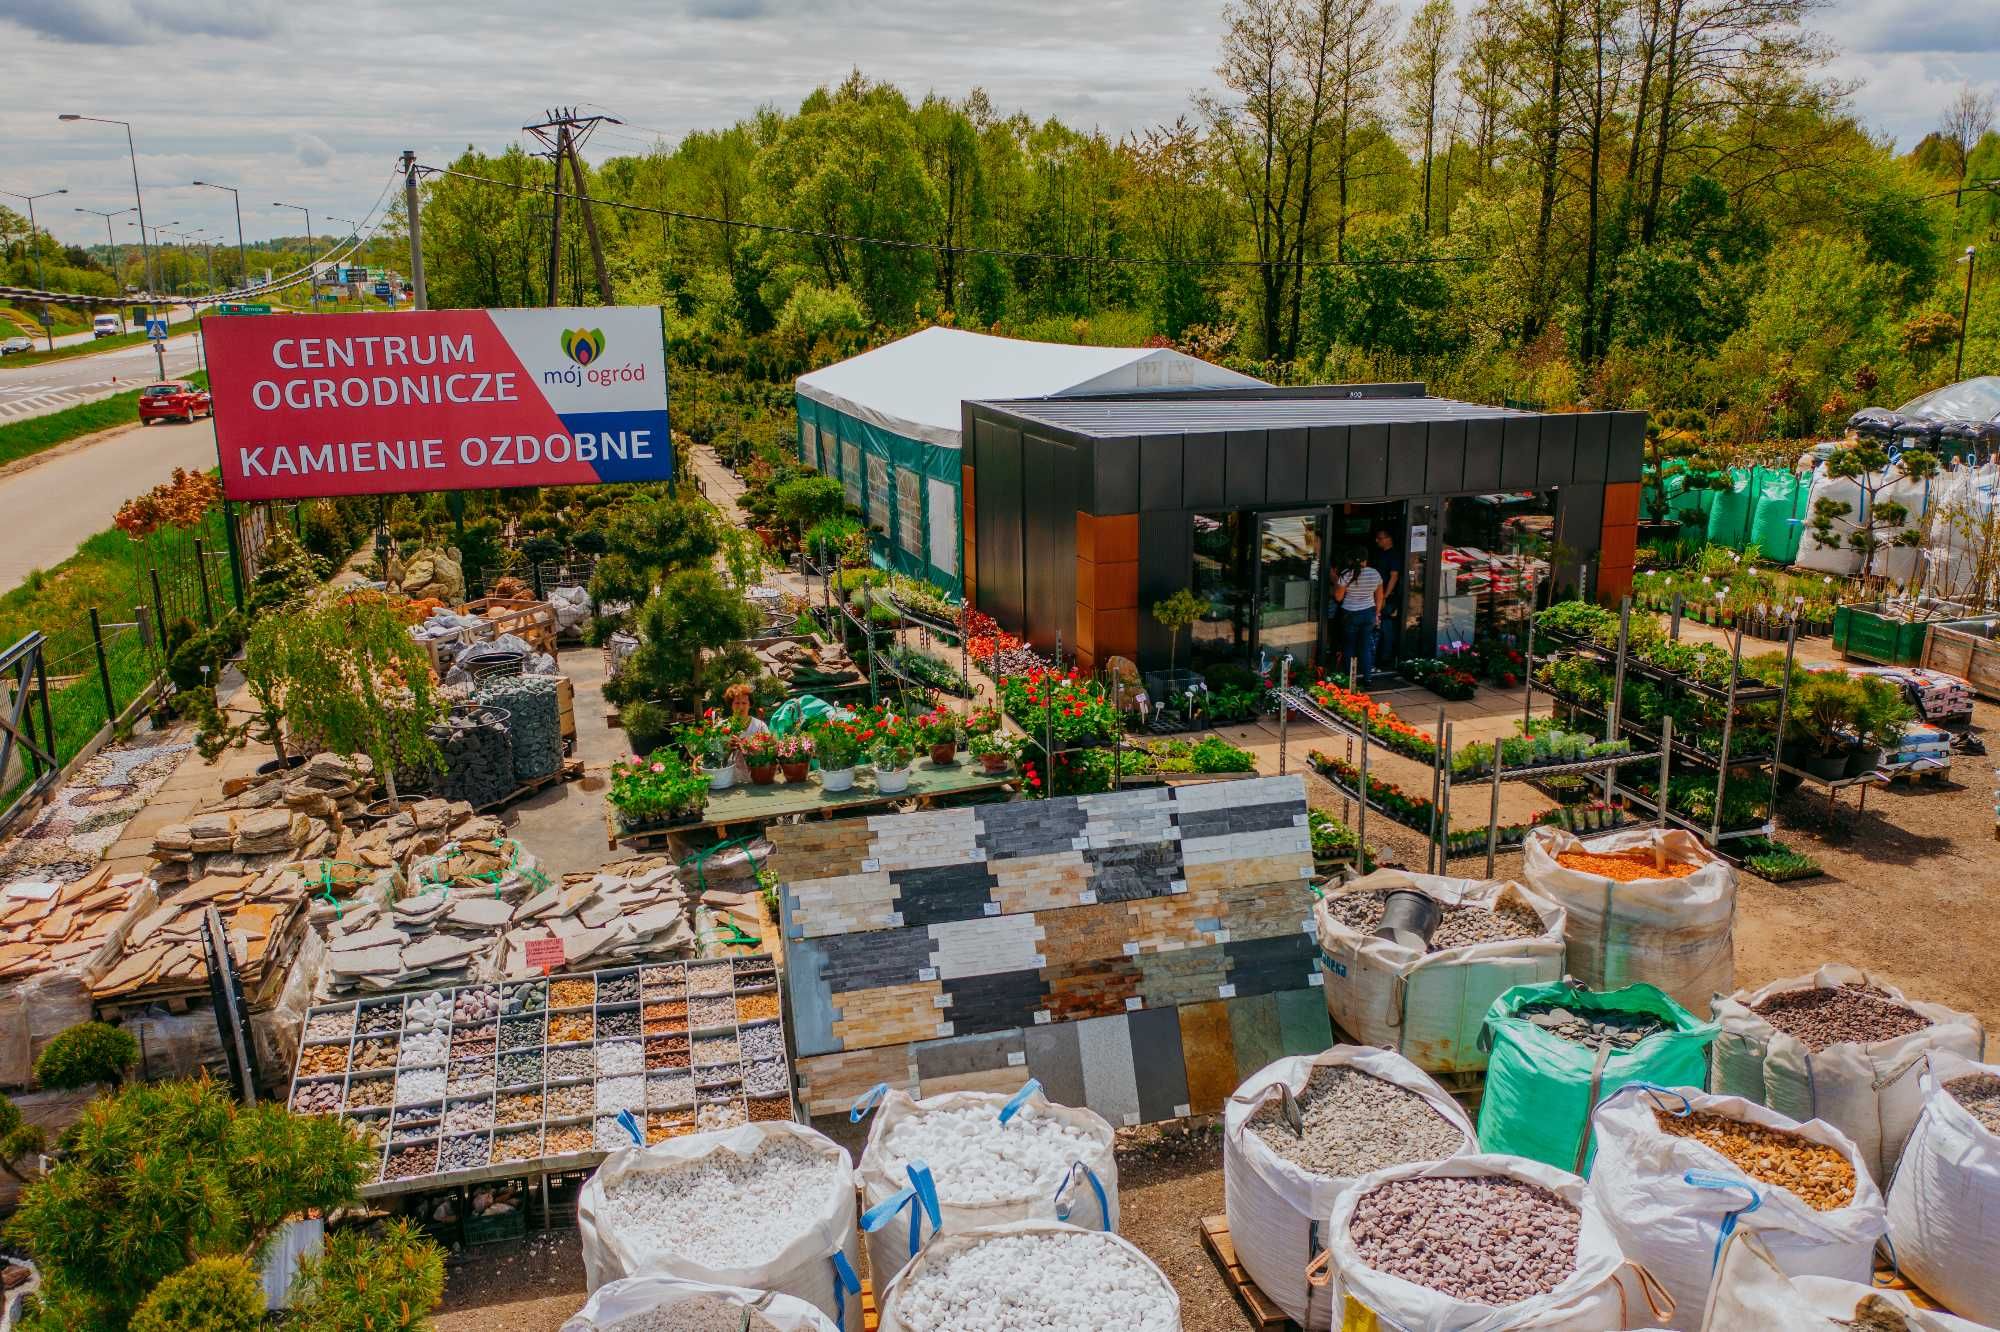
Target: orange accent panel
1117,586
1619,546
1614,584
1118,540
1086,631
1116,633
1621,504
1086,587
1086,537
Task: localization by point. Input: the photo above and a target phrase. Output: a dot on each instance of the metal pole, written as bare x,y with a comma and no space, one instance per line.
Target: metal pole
1615,706
152,280
413,204
1361,817
201,572
1965,311
159,607
1284,710
1784,706
1440,761
103,667
1674,619
1666,770
1528,676
1728,727
1444,808
1493,812
235,550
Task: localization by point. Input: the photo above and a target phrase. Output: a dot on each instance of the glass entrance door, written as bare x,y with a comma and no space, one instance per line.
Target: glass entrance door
1290,553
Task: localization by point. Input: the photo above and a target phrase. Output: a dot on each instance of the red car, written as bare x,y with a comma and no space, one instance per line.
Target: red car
173,398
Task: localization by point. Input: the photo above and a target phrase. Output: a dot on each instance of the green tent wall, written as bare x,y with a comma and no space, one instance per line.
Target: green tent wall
893,544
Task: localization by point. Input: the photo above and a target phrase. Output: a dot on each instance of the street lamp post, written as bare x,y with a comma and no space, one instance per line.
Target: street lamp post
152,263
312,260
40,277
242,263
138,199
111,241
1965,311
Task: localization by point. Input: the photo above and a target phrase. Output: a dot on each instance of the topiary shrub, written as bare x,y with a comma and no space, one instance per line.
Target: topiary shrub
210,1295
88,1053
356,1284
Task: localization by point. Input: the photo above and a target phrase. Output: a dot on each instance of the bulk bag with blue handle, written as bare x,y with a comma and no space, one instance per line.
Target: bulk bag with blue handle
624,1304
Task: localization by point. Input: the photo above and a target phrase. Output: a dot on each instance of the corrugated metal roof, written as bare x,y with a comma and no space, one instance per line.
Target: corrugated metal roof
1198,414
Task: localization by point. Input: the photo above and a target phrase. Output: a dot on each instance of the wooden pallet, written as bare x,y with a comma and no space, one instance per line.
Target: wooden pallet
1264,1315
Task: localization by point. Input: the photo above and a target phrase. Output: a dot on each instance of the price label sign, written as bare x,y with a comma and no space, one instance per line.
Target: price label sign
545,955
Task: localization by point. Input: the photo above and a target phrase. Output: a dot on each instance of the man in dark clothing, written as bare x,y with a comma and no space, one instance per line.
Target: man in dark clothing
1387,559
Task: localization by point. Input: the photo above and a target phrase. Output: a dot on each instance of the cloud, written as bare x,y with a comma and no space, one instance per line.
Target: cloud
131,22
313,150
732,10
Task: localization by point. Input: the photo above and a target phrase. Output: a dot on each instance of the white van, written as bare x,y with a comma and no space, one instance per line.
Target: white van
105,326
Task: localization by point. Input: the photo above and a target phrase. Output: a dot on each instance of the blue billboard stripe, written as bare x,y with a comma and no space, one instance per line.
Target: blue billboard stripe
623,446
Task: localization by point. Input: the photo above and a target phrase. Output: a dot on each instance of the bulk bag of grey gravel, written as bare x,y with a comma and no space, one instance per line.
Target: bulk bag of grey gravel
1430,1005
667,1304
765,1206
535,719
1360,1109
1839,1045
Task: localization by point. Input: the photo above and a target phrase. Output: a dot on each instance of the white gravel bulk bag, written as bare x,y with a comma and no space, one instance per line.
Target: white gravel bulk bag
1872,1092
1837,559
632,1304
1030,1276
1669,1201
1944,1204
1044,1162
1430,1007
1751,1291
1900,564
767,1206
1594,1297
1277,1208
1675,934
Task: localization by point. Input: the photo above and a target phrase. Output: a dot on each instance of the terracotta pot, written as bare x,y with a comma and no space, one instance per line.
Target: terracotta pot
945,753
796,772
763,774
994,763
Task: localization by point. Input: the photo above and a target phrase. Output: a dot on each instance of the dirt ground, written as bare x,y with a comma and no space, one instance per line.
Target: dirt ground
1907,894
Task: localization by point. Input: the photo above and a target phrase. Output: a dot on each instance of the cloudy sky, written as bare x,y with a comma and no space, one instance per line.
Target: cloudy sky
311,104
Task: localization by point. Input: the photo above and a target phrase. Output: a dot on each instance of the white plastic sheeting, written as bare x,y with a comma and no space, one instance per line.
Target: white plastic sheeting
1752,1291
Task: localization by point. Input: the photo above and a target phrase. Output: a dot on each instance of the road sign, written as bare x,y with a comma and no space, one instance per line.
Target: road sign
382,289
232,308
156,329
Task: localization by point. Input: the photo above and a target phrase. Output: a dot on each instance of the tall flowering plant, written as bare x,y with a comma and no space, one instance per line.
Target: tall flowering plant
713,739
1065,706
646,790
837,744
1379,719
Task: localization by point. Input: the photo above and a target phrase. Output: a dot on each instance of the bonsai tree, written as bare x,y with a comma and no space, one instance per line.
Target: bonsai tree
86,1054
18,1139
1174,614
648,542
209,1295
692,629
1884,523
1825,707
358,1284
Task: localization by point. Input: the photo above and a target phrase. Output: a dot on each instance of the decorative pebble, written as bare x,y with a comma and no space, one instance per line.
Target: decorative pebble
465,1153
1823,1017
1482,1239
468,1116
766,1077
720,1115
520,1067
428,1012
579,1098
1051,1281
1817,1173
576,1062
525,997
1458,926
523,1031
669,1089
470,1075
718,1084
566,1028
755,1007
524,1145
379,1019
662,1125
618,1022
710,978
620,1057
519,1108
610,1135
626,1093
668,1010
370,1093
472,1042
716,1050
568,1138
766,1041
663,977
328,1026
1618,1028
318,1060
371,1129
374,1055
712,1011
316,1098
724,1209
573,993
480,1003
770,1107
426,1047
410,1162
1979,1093
977,1159
1356,1122
618,989
419,1084
419,1114
422,1133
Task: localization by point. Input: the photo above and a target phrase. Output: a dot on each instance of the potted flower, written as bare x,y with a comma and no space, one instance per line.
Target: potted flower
891,757
712,742
837,748
940,731
760,755
795,753
657,791
994,751
1824,707
986,721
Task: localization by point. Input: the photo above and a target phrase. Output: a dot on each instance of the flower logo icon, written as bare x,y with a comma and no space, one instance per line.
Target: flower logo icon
583,345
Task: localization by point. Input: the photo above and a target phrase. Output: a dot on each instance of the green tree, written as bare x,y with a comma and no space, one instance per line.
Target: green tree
1885,523
208,1295
86,1054
650,540
18,1139
690,633
1174,614
360,1285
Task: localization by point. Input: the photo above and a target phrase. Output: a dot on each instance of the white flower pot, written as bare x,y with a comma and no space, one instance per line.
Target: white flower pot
722,778
836,779
891,780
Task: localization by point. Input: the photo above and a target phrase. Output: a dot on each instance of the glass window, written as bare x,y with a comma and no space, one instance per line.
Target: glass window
878,494
1222,582
910,511
1288,615
1494,563
809,444
850,469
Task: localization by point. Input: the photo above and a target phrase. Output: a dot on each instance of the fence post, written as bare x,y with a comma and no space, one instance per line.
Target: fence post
160,613
235,550
103,667
201,572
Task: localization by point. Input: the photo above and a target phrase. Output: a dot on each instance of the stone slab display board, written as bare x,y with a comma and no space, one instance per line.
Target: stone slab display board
1141,952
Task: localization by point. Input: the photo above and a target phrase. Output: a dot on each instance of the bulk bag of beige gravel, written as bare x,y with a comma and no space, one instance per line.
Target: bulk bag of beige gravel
986,1159
1751,1291
1487,1243
1944,1204
668,1304
1429,1006
1670,1199
1278,1188
1031,1276
766,1206
1675,932
1863,1080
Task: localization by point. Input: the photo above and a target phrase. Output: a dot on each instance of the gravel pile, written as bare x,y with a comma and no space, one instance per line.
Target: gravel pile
1825,1016
465,1153
1621,1030
415,1085
1979,1093
977,1159
1356,1122
425,1047
703,1313
1459,926
316,1098
1050,1281
330,1026
625,1093
767,1042
620,1057
1483,1240
1817,1173
428,1012
726,1210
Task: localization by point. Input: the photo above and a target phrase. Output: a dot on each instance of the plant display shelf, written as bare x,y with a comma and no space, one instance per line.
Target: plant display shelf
1634,731
750,804
1605,767
1834,786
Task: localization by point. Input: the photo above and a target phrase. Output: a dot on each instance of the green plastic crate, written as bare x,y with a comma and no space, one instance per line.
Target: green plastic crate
1861,632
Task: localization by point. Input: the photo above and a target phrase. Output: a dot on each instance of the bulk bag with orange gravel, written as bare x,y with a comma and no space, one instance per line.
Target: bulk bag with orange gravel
1944,1204
1841,1046
1630,922
1678,1171
1430,1006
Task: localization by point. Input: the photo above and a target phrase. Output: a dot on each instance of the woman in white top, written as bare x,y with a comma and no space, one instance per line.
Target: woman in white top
1359,591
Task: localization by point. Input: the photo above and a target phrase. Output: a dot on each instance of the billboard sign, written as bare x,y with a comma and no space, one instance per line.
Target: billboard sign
355,404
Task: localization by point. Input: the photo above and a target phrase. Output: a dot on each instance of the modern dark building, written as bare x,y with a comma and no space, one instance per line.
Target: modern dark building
1083,513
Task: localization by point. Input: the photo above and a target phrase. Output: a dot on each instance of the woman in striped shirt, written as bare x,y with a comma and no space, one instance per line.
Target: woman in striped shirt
1359,591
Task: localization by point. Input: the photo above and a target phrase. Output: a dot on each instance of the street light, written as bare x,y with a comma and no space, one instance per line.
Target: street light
1965,311
110,240
40,277
242,263
312,260
138,199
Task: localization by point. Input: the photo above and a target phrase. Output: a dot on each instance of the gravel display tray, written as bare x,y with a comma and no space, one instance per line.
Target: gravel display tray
466,1083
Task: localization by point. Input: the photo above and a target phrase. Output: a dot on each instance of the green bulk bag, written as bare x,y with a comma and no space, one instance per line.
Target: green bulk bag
1772,530
798,713
1729,516
1538,1095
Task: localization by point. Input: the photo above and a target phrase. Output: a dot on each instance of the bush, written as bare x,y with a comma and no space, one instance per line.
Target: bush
88,1053
360,1285
212,1295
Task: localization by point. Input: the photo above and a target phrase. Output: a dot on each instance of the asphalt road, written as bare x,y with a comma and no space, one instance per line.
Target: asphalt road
176,314
33,390
48,510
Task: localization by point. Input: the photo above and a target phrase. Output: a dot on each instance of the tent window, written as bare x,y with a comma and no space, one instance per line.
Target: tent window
910,511
878,494
944,527
809,444
850,470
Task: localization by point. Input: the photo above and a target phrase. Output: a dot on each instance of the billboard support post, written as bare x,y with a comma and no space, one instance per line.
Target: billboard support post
413,203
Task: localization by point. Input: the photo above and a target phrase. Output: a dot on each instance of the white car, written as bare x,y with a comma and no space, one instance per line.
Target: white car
12,345
105,326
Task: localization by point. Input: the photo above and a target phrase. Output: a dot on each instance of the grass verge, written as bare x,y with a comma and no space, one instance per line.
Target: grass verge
22,439
24,360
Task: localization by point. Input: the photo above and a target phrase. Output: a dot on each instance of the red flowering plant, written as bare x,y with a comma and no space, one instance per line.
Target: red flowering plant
836,744
1379,719
759,749
1065,708
713,739
659,787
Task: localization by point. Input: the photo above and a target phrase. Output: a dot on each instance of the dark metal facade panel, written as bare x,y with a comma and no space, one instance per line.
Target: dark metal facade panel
1557,456
1593,444
1285,465
998,504
1580,519
1115,469
1166,564
1159,472
1243,473
1444,468
1519,453
1367,462
1408,457
1482,456
1202,466
1326,464
1628,446
1049,468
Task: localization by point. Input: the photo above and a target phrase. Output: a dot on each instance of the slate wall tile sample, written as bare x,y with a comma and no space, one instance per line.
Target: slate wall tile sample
966,948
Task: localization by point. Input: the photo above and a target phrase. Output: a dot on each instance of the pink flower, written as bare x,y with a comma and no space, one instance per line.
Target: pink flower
659,767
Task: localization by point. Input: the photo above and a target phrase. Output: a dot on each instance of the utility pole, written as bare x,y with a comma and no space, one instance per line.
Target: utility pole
413,202
1965,311
570,131
312,260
